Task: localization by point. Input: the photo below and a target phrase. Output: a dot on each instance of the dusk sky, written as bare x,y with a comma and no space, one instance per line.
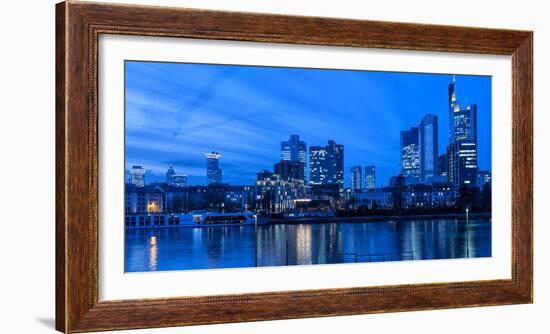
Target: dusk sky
177,112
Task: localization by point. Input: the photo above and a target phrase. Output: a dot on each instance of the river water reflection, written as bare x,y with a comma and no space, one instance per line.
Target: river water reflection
318,243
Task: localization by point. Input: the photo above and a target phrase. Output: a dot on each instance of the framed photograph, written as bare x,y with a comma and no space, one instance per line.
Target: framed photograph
221,166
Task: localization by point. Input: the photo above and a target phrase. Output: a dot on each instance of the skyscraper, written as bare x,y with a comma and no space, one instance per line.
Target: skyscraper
442,165
462,162
295,150
137,176
326,164
370,177
451,103
178,180
356,179
428,143
175,180
289,170
213,171
462,122
462,150
171,172
410,153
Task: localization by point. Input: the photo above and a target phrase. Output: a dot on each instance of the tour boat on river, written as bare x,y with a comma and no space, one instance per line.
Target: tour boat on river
190,219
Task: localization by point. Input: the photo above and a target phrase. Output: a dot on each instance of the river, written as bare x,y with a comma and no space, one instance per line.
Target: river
187,248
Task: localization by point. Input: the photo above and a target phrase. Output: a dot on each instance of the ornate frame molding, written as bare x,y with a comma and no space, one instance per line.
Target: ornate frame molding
78,27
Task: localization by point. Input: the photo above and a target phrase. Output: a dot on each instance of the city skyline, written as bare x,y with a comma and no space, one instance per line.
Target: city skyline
251,140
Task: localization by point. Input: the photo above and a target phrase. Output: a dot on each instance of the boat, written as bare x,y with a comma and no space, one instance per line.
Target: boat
308,214
191,219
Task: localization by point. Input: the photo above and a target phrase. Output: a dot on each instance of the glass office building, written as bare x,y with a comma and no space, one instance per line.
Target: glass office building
326,164
428,142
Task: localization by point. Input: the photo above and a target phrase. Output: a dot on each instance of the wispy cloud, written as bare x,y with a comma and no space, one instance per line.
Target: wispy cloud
177,112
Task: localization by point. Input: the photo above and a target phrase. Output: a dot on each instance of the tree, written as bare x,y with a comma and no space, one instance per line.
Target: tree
362,210
178,204
468,197
374,205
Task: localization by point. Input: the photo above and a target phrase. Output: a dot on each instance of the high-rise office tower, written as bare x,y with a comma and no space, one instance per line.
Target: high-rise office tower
175,180
326,164
410,153
213,171
442,165
179,180
137,176
356,179
462,150
462,122
452,101
289,170
428,143
370,177
295,150
171,172
462,162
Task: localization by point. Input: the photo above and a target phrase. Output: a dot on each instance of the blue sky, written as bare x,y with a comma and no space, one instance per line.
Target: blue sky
176,112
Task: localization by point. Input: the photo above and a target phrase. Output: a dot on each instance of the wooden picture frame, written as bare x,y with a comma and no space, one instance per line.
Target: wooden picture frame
78,26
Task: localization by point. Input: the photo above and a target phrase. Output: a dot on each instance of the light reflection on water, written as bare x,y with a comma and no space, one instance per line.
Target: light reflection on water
279,245
153,253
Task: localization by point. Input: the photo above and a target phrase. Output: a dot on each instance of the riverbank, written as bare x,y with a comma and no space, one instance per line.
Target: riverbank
375,218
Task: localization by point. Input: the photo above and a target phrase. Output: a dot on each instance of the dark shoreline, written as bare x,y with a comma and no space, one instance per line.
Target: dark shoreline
373,218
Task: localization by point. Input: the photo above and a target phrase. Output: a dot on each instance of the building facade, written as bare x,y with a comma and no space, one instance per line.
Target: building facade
144,199
295,150
213,170
443,195
442,165
462,164
483,177
410,153
178,180
290,170
137,176
326,164
240,198
428,142
374,198
356,178
464,123
171,172
275,195
370,177
418,196
176,198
